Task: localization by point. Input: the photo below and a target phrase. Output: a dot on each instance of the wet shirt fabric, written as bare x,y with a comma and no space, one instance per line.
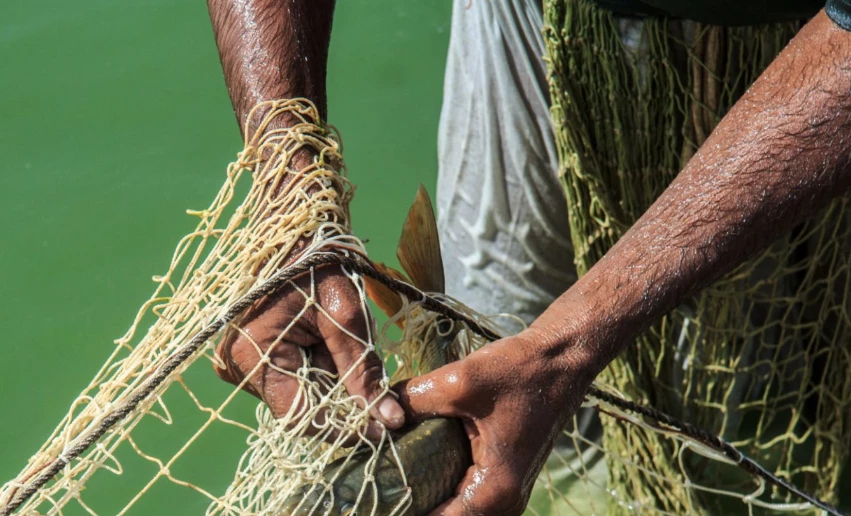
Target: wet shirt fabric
733,12
502,213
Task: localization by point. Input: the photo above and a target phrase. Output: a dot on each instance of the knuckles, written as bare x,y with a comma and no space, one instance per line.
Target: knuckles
457,386
348,315
367,375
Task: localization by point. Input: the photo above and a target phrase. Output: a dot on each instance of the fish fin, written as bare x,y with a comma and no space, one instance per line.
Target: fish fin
388,300
419,247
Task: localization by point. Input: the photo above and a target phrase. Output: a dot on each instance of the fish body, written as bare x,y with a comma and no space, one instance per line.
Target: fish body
435,454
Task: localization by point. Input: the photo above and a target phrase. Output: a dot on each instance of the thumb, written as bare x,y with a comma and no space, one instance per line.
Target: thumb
442,392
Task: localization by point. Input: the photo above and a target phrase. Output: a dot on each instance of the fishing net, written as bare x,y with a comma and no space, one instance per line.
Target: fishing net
750,365
148,410
221,267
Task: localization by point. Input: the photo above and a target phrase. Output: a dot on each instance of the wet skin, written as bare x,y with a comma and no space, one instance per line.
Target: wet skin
434,455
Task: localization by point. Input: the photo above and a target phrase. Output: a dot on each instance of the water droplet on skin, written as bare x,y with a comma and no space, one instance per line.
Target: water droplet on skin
478,480
422,388
335,303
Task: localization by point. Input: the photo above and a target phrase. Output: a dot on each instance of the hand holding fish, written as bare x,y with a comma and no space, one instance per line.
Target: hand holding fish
292,39
514,397
331,348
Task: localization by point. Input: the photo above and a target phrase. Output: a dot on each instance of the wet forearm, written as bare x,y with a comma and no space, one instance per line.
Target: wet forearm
272,49
776,158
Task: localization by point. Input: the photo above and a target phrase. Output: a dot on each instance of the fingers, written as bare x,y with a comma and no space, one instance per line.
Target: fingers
279,390
242,356
322,358
343,326
444,508
485,491
336,333
362,371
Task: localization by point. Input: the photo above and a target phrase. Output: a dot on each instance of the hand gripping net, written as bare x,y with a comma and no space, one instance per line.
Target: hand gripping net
156,405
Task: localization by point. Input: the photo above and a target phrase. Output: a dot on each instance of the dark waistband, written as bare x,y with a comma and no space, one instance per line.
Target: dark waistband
717,12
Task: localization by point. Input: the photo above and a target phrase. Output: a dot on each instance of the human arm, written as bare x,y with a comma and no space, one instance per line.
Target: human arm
273,49
780,155
276,49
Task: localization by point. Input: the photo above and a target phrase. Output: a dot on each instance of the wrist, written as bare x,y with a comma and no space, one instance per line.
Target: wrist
280,113
584,329
299,186
554,364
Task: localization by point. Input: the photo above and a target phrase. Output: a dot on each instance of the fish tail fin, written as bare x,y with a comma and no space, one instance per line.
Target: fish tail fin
387,299
428,346
419,246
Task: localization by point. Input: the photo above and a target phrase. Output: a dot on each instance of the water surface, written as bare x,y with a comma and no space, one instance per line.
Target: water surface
114,119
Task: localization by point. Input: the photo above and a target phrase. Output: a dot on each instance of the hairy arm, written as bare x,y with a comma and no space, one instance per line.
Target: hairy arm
780,154
273,49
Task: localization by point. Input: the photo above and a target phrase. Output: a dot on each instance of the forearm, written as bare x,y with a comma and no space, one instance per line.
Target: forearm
776,158
272,49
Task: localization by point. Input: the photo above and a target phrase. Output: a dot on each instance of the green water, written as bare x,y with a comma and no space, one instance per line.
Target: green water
114,119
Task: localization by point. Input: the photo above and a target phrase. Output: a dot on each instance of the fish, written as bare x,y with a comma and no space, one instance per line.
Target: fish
435,453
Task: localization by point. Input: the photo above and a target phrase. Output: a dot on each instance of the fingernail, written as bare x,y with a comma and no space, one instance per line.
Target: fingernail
391,412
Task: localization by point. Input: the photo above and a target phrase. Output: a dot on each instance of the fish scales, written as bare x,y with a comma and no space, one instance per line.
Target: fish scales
435,454
435,457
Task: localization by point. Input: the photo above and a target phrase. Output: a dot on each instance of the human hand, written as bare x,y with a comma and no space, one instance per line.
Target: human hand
332,347
514,397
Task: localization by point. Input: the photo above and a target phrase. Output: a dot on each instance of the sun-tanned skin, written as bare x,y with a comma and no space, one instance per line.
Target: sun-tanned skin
781,153
274,49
